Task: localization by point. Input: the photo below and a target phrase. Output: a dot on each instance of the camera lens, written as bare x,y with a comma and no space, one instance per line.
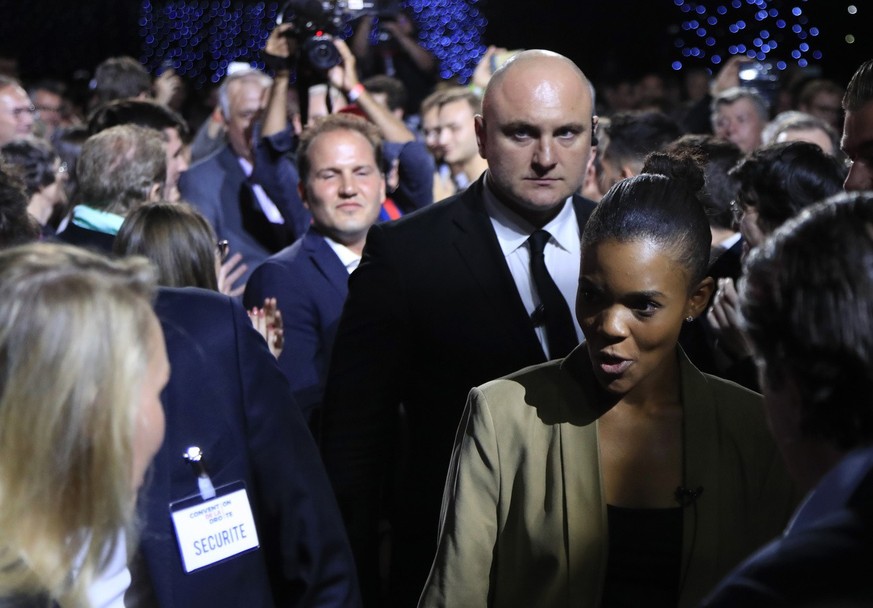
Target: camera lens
321,53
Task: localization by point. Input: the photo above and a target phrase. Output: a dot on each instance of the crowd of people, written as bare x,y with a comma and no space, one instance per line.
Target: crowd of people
361,337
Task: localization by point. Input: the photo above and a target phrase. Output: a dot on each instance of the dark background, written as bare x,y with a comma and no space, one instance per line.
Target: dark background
55,38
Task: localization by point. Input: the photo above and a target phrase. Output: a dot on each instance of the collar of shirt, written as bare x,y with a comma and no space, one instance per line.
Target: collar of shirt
730,241
562,253
97,220
513,231
461,180
347,257
271,211
247,167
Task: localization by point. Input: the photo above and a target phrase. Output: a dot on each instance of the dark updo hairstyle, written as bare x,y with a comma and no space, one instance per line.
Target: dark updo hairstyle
717,156
807,305
781,179
176,238
662,205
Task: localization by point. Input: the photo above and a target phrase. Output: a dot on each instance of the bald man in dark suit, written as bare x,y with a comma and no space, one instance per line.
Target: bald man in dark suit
444,300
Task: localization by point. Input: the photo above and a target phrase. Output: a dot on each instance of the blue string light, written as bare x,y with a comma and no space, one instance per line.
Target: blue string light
754,28
199,39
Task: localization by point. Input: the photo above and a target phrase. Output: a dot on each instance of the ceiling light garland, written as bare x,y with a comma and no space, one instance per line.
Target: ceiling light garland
777,31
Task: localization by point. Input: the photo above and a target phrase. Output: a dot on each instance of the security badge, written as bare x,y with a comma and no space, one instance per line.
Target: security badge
214,525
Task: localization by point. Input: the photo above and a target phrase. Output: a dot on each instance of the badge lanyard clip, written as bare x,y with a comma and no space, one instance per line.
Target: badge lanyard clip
194,456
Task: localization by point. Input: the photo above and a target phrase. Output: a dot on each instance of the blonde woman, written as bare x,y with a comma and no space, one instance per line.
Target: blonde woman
82,366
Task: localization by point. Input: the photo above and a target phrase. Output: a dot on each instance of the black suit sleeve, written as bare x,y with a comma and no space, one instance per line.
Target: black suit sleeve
363,392
304,542
828,564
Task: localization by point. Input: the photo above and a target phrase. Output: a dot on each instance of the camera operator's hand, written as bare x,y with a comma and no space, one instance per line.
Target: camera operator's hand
278,55
728,76
280,48
344,76
402,30
169,88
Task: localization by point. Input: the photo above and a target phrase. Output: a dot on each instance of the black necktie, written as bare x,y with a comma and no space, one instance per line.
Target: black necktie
553,310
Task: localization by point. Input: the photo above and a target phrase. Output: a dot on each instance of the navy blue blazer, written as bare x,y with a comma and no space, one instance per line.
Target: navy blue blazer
432,311
825,556
227,396
219,189
310,285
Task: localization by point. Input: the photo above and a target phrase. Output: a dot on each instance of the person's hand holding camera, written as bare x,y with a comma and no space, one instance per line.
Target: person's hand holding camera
344,76
280,48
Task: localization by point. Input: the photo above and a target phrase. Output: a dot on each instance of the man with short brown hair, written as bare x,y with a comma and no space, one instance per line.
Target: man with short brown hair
342,185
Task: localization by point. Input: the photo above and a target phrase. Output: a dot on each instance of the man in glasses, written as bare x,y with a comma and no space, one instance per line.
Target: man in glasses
16,112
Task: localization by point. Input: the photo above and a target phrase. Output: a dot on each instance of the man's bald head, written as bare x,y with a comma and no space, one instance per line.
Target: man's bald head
535,132
533,59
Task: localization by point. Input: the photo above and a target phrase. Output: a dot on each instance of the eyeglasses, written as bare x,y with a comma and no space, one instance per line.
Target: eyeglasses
222,247
17,113
826,109
736,212
739,211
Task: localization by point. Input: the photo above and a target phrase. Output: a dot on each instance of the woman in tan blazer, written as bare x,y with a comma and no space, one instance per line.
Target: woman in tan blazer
620,475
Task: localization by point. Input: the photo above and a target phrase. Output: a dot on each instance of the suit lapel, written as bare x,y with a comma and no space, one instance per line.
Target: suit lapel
326,261
583,208
481,255
585,505
700,532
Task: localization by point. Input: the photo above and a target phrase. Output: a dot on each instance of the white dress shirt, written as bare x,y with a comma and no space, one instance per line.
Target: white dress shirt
562,254
349,258
267,206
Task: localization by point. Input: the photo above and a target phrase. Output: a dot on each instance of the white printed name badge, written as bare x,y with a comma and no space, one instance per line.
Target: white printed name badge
214,530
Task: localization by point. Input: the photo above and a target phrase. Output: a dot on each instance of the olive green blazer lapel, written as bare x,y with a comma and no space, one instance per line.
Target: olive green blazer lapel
586,530
700,527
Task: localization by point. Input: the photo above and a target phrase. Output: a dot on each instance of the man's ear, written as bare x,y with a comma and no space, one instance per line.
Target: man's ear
700,296
301,190
479,125
156,192
218,116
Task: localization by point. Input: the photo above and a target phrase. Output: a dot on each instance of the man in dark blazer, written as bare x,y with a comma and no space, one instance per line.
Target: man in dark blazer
443,301
227,398
806,314
343,187
248,188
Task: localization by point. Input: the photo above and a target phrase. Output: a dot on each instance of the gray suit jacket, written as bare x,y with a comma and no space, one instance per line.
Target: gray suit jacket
221,191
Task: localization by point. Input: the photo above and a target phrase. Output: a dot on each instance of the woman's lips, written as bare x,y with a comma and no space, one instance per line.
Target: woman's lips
613,366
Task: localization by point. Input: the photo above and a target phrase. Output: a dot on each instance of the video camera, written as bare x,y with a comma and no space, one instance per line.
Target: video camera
316,21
